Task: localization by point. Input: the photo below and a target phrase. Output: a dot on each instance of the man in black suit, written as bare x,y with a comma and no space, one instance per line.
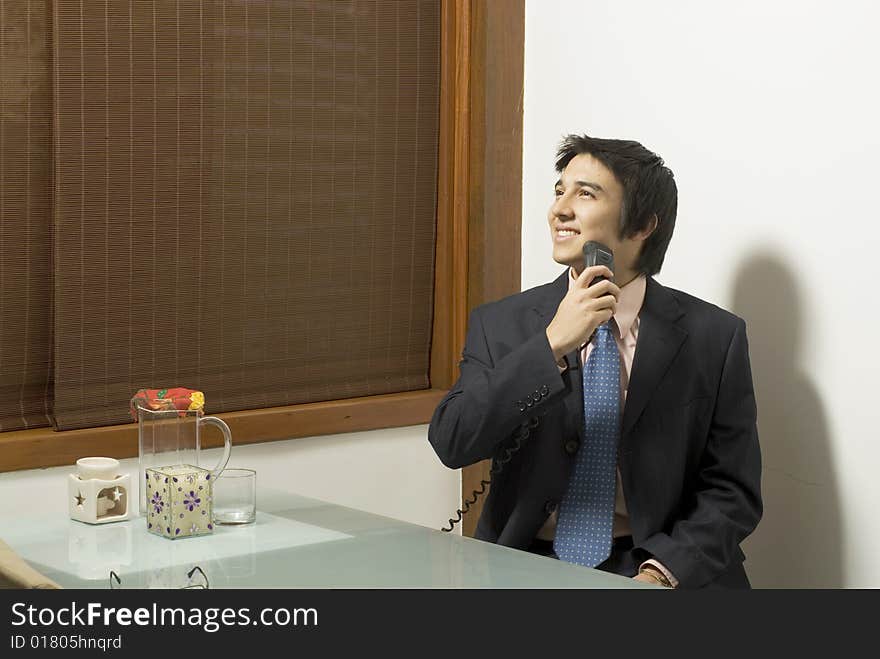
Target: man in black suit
686,488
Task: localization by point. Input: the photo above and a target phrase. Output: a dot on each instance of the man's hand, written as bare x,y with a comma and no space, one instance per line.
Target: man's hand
644,577
582,310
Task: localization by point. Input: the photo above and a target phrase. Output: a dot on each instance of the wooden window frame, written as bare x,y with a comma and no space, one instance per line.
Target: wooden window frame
470,266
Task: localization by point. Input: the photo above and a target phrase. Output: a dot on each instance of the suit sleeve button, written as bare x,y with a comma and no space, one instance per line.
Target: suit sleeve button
545,390
572,446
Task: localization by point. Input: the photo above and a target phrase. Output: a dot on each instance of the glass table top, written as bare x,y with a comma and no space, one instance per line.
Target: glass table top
296,542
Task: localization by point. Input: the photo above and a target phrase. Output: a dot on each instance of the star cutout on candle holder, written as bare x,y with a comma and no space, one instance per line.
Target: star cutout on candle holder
117,494
79,499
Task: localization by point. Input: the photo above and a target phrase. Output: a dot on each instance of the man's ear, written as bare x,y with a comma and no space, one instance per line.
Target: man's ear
645,233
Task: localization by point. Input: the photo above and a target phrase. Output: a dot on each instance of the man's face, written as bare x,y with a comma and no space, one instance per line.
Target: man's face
586,207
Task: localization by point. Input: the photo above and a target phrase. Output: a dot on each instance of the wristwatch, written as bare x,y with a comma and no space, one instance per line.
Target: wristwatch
661,578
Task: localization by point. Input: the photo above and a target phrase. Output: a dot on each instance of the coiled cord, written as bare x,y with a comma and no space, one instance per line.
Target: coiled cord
497,465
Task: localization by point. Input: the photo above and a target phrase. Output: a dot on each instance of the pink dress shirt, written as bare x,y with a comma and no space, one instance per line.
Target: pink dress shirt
625,327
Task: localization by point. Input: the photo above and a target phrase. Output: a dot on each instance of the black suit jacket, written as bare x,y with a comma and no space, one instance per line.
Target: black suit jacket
689,459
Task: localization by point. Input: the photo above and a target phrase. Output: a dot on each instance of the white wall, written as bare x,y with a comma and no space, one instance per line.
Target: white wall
767,113
390,472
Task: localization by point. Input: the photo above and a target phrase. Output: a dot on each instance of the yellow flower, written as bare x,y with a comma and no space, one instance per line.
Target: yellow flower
198,400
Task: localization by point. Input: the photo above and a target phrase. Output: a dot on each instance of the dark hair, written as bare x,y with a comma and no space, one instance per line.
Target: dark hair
648,189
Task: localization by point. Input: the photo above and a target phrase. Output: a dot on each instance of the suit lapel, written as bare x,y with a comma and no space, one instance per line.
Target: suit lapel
546,305
545,309
660,339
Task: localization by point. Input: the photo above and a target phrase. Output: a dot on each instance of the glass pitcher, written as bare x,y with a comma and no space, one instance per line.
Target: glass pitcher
171,437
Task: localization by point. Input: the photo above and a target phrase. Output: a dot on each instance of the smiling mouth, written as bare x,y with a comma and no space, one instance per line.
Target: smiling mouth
565,234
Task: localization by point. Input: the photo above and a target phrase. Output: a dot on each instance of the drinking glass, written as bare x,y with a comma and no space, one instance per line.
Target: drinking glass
235,497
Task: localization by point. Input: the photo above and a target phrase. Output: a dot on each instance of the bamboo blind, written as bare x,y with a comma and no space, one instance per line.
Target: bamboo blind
244,202
25,214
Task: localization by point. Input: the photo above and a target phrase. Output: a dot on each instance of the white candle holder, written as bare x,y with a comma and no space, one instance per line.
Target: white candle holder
97,493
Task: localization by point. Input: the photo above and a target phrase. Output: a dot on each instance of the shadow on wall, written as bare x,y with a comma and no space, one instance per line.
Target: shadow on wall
798,542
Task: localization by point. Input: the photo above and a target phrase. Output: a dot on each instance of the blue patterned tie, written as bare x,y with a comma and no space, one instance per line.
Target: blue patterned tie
586,514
